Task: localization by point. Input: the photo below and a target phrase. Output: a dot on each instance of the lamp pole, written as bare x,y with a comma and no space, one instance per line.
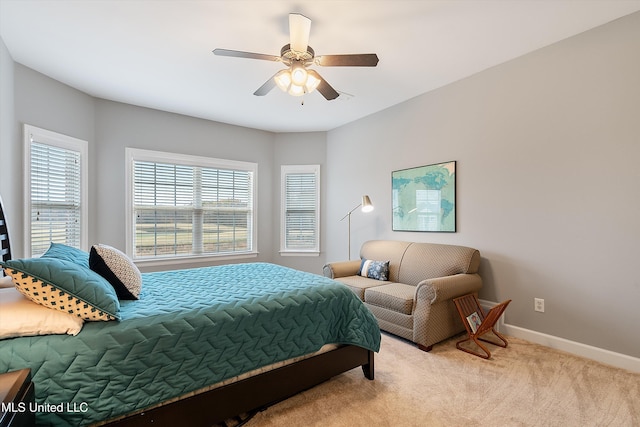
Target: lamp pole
348,215
367,206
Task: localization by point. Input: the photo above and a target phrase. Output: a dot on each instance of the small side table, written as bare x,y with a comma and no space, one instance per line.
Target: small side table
16,394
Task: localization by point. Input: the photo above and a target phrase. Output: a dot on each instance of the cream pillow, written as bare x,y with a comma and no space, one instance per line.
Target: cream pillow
6,282
20,317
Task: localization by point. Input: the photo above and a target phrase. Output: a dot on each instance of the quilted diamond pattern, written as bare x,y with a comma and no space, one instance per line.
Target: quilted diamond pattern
393,296
190,328
428,261
67,253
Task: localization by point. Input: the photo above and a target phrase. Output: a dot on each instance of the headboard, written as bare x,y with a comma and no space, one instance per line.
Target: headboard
5,246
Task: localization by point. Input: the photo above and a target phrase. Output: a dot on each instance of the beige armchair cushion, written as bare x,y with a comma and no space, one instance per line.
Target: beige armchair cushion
387,250
426,261
359,284
394,296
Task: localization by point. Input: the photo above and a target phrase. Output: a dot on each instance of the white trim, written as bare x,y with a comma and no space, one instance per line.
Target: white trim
68,143
189,160
608,357
128,201
308,169
170,261
299,253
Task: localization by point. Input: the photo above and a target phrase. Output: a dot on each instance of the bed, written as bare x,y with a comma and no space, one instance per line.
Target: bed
180,354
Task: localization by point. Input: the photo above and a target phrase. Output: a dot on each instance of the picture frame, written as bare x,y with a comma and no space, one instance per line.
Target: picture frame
424,198
474,321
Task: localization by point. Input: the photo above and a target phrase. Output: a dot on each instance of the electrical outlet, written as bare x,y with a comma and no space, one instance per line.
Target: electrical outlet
538,305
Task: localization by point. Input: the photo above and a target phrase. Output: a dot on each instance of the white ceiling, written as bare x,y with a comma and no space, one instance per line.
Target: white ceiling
157,54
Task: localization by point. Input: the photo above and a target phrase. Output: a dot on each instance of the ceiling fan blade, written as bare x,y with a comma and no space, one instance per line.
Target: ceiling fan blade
324,88
266,87
299,29
354,60
240,54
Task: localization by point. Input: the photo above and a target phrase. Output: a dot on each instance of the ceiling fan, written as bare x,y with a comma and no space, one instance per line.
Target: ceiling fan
298,79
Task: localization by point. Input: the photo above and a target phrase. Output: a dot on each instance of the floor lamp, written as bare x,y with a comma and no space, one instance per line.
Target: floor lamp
367,206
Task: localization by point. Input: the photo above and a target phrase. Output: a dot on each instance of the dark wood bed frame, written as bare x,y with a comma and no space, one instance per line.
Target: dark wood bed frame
253,393
250,394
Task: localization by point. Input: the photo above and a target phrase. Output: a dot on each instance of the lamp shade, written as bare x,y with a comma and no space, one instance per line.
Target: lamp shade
367,206
298,74
312,82
296,90
283,80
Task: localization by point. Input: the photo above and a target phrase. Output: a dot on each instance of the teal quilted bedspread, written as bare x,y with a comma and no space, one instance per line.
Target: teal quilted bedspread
190,328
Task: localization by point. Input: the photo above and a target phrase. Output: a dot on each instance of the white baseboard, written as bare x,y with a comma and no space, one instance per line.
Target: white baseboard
583,350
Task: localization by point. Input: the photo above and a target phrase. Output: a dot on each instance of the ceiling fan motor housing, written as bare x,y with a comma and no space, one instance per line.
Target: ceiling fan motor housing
289,55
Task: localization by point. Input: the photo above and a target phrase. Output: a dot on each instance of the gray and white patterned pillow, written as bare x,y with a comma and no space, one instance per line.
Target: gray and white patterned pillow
378,270
118,269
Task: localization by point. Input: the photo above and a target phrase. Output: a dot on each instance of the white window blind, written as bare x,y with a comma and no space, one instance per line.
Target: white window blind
300,212
56,182
190,209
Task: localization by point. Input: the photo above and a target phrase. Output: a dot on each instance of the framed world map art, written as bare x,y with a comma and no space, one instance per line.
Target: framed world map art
424,198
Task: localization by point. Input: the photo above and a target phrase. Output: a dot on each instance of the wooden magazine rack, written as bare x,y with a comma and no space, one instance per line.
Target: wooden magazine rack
479,324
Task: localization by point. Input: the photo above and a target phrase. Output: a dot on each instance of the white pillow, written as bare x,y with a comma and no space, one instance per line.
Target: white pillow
6,282
21,317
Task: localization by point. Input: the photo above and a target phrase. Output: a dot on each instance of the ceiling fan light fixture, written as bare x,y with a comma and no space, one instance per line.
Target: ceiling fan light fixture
296,81
296,90
312,83
298,74
283,80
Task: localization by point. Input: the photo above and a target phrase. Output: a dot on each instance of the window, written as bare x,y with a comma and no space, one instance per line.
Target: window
181,206
300,228
56,190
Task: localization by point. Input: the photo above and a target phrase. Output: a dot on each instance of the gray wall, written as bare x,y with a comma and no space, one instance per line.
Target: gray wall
110,127
48,104
9,151
299,149
547,147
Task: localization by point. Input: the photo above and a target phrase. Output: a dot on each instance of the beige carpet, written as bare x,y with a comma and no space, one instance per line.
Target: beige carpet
524,384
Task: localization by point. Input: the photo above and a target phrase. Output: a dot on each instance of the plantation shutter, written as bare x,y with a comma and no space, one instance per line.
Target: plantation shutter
163,204
227,204
56,210
191,210
301,210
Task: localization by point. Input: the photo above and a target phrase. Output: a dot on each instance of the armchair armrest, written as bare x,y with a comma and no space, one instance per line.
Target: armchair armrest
447,288
333,270
433,298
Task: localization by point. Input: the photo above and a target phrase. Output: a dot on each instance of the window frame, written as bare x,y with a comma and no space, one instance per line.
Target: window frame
136,154
298,169
58,140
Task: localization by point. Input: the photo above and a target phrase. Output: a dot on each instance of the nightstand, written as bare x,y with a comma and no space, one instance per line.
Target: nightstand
16,395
